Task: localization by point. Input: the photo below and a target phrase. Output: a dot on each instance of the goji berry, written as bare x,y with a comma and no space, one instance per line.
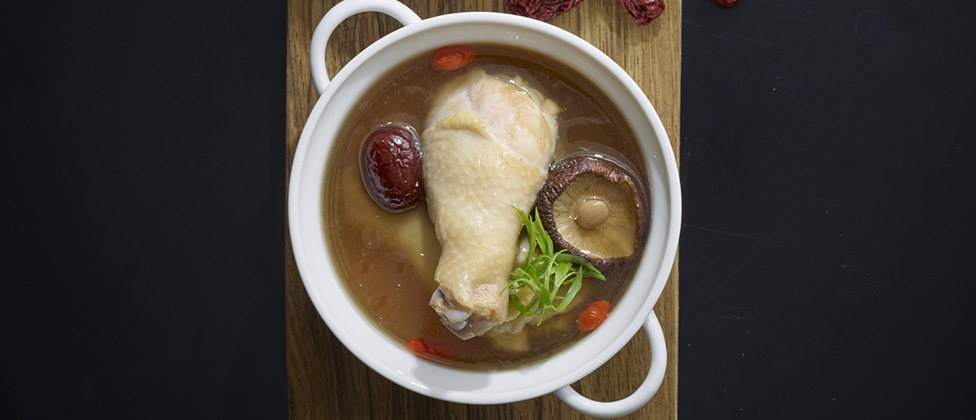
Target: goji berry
593,315
453,57
428,349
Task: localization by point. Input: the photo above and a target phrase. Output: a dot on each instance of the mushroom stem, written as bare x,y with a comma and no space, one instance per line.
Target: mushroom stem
592,213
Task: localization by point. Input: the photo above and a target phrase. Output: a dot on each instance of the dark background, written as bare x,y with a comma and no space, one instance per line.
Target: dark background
144,222
826,260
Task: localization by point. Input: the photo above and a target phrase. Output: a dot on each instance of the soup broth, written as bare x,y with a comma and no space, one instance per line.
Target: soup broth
386,260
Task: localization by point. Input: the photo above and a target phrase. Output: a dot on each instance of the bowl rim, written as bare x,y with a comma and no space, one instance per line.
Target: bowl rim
672,184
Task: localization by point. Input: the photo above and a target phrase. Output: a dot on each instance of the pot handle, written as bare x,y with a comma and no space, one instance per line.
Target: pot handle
641,396
335,16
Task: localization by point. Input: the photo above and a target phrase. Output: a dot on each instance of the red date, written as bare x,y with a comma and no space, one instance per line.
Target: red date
390,165
643,11
544,10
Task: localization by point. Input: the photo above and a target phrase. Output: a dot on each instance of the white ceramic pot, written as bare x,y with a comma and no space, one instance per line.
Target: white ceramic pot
393,360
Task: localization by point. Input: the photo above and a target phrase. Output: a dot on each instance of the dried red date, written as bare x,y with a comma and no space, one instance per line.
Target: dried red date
544,10
726,3
390,164
643,11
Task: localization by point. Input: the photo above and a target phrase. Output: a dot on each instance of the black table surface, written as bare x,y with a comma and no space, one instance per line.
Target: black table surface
826,256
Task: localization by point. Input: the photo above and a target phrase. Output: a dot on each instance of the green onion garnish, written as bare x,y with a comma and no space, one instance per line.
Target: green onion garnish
546,271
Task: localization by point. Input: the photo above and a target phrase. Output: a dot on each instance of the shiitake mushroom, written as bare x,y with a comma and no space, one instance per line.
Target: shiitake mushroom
595,208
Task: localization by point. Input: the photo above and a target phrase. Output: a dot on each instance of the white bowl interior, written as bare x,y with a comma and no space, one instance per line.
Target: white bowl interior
393,360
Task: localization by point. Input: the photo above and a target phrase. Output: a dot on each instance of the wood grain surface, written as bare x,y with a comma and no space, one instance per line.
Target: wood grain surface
325,381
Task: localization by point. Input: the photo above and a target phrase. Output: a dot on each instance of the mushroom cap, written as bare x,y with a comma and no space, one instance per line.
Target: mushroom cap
595,208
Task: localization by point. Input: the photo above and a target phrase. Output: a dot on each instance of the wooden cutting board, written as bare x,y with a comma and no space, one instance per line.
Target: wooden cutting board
325,381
